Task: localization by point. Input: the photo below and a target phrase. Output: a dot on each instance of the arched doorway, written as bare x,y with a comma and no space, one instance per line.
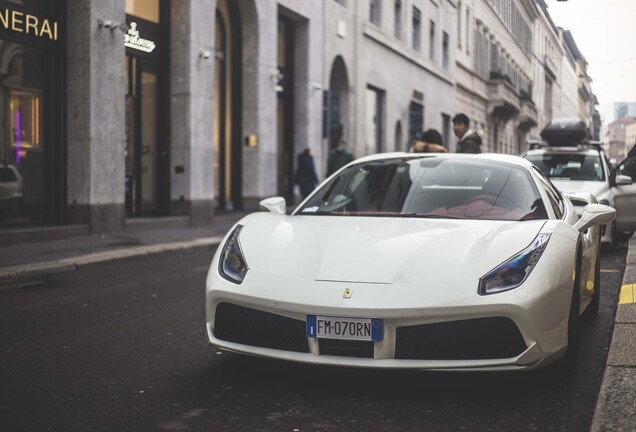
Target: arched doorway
227,107
337,101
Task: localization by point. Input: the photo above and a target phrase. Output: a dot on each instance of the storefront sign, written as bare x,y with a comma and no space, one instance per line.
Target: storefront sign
26,23
132,40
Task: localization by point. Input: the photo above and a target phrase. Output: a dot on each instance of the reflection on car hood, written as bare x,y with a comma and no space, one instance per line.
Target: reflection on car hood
380,249
597,188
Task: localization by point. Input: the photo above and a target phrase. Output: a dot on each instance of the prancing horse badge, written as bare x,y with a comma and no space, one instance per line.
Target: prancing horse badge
347,293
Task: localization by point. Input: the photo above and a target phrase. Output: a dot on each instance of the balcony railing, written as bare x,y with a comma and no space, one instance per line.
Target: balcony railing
527,118
503,99
584,89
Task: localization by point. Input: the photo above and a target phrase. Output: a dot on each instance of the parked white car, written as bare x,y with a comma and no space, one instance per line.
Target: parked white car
576,165
414,261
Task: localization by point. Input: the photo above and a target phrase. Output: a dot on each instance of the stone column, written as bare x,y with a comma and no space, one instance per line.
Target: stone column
95,114
192,101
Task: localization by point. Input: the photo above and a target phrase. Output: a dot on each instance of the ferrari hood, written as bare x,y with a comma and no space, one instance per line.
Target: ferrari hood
379,249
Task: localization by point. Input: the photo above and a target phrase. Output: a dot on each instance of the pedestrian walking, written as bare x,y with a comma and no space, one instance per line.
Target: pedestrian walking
306,177
340,154
430,141
468,141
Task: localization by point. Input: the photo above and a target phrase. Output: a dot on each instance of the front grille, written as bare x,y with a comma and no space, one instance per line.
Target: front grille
473,339
247,326
346,348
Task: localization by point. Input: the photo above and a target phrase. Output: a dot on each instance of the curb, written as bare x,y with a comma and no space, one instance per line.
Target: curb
29,271
615,408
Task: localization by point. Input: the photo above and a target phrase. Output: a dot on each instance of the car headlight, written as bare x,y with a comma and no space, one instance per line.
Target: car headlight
516,270
232,264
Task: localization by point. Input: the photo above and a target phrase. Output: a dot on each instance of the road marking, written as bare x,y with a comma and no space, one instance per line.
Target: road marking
628,294
609,271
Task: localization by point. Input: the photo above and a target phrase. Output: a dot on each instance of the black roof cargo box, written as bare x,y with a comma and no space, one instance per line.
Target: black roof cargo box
565,132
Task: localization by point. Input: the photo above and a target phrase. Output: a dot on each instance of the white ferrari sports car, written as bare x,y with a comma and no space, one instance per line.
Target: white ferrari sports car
418,261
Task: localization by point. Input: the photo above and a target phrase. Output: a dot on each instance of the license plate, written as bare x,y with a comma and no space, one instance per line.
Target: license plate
365,329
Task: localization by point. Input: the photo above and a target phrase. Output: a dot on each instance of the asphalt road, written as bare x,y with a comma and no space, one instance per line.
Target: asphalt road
122,347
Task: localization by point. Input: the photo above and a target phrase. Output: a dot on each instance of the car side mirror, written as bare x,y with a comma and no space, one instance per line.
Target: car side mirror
622,180
276,205
580,198
595,214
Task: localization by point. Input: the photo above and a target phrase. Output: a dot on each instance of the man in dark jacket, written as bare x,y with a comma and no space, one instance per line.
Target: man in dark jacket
306,177
339,155
468,140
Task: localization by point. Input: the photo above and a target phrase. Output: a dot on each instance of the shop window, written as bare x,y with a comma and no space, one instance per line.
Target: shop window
145,9
445,53
417,24
24,106
431,40
416,120
22,141
397,12
375,11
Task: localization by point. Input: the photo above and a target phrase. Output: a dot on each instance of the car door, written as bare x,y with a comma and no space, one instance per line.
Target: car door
625,196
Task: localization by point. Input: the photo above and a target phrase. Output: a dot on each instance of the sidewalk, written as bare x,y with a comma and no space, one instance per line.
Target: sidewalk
615,408
34,259
616,404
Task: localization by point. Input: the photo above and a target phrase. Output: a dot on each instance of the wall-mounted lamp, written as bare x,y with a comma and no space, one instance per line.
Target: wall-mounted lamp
205,54
112,25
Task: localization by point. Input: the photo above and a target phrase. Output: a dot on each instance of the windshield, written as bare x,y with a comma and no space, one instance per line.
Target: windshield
575,166
429,187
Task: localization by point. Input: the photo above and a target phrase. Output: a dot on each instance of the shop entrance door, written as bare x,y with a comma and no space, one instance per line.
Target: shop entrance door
141,138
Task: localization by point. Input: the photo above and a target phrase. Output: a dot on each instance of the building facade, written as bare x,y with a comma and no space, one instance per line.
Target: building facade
617,110
32,117
388,72
619,137
115,111
495,82
123,109
586,101
549,88
630,136
569,81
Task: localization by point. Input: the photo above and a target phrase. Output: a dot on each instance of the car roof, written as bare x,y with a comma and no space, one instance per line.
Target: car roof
495,157
538,147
